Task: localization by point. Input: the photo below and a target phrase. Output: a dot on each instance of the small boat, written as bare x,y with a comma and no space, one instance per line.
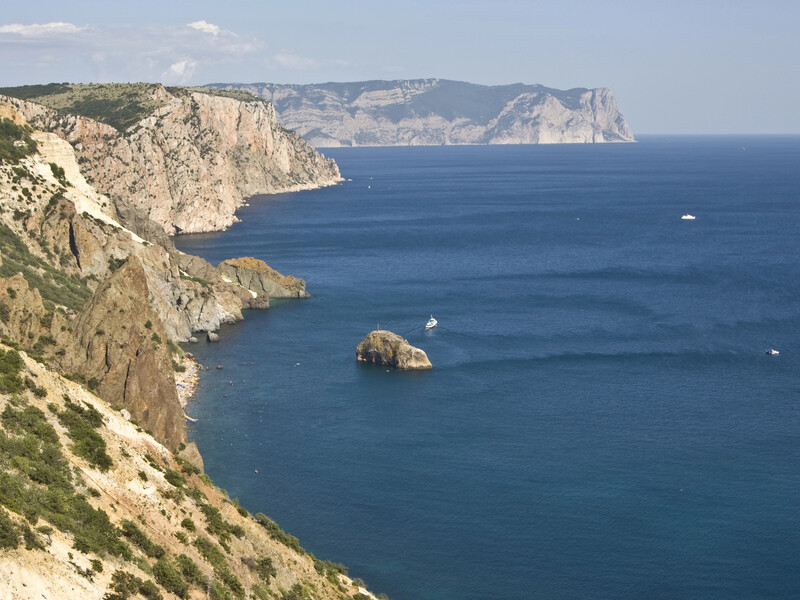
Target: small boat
431,323
773,352
189,419
688,217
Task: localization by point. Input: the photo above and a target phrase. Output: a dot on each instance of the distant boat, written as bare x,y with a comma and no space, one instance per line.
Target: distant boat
189,419
773,352
431,323
688,217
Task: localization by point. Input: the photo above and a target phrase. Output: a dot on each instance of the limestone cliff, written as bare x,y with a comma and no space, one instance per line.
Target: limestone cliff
441,112
387,348
262,280
191,159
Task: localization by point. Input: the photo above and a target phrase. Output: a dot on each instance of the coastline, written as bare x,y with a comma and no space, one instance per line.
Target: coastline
186,381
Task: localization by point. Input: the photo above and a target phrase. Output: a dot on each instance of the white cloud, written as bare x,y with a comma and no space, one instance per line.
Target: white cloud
38,30
203,26
179,73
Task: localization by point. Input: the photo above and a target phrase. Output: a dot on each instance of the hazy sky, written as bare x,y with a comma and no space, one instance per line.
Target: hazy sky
675,66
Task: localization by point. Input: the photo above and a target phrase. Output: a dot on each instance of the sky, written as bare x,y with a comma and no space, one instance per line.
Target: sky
674,66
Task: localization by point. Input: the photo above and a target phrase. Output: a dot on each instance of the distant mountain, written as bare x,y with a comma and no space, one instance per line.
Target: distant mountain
426,112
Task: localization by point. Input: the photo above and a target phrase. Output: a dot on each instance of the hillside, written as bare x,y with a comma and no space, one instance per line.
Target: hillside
441,112
91,506
101,496
184,158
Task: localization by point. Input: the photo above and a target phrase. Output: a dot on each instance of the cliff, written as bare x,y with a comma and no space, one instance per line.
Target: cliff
100,497
92,507
261,279
185,158
426,112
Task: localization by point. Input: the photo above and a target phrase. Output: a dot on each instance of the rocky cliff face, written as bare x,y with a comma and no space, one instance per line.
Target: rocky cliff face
439,112
262,280
386,348
188,165
119,343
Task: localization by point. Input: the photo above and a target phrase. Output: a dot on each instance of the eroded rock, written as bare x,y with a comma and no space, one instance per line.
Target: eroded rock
386,348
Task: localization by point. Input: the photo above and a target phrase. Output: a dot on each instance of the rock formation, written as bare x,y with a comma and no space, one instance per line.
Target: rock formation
259,278
188,164
119,343
387,348
426,112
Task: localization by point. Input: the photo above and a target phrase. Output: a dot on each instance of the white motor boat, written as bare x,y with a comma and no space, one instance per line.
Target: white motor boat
431,323
773,352
688,217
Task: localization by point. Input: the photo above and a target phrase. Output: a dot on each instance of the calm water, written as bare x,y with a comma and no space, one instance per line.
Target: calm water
602,420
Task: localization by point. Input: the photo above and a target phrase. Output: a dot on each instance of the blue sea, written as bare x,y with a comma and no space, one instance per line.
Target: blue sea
602,419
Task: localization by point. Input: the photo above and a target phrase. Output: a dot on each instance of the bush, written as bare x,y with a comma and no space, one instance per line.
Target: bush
81,424
11,364
15,141
140,539
265,569
9,536
190,571
170,579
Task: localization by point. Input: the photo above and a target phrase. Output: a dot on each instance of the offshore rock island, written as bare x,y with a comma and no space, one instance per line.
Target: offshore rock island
100,494
387,348
435,112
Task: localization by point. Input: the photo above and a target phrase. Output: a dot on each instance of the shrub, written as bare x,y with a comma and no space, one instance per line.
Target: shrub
9,537
81,424
190,571
265,569
188,524
140,539
170,579
11,364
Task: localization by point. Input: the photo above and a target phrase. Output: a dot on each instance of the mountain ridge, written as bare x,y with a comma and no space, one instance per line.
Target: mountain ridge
441,112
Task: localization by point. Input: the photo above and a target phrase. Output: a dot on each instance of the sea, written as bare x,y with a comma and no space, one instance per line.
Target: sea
602,420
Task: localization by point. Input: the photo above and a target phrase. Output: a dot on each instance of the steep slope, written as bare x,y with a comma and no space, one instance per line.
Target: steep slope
93,507
189,158
439,112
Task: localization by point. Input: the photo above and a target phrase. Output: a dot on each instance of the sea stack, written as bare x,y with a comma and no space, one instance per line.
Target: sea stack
386,348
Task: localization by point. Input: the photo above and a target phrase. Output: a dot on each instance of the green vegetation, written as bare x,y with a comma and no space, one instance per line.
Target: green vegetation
54,285
240,95
169,578
276,533
120,105
265,569
36,482
15,142
131,531
9,536
127,584
11,364
190,571
81,424
58,173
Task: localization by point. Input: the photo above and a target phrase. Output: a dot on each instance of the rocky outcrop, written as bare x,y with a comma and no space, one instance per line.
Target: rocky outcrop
387,348
119,346
261,280
438,112
189,165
